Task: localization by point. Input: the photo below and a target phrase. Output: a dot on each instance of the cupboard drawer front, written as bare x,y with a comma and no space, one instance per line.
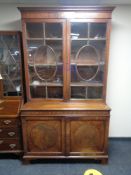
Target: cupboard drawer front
44,136
9,132
8,122
9,144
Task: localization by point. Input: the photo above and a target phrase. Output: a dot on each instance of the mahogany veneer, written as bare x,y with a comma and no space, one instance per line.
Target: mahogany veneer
10,125
56,122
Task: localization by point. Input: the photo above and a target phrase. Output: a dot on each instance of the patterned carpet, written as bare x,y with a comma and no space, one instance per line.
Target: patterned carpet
119,163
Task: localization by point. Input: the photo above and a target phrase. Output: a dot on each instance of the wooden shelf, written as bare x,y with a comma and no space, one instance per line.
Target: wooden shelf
87,64
35,39
41,39
90,39
53,84
85,84
54,39
44,65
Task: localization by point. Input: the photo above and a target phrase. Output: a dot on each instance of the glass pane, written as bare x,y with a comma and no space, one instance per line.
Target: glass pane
10,64
78,92
55,92
86,72
97,30
94,92
79,30
45,63
38,91
52,63
34,30
53,30
32,47
57,47
75,46
101,48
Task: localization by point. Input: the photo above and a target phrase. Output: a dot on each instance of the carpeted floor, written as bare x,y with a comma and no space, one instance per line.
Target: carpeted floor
119,163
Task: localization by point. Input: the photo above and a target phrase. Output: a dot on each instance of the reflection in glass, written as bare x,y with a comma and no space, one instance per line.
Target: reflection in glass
79,30
97,30
10,64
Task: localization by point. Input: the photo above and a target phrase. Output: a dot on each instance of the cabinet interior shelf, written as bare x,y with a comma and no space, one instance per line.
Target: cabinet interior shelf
44,65
75,84
72,64
35,39
85,84
51,84
87,64
73,39
91,39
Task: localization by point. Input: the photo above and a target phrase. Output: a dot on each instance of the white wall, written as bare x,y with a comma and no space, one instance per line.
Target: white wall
10,18
119,75
119,79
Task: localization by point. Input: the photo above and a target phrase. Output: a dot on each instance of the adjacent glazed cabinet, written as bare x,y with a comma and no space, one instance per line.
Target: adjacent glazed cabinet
10,91
10,62
65,69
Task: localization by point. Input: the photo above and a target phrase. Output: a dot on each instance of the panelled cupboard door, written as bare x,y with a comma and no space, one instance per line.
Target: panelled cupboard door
44,136
86,137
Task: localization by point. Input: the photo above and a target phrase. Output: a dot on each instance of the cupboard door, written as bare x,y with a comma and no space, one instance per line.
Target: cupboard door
86,137
45,58
87,59
44,136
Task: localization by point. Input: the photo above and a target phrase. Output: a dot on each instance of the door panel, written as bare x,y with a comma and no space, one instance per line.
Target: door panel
45,136
86,136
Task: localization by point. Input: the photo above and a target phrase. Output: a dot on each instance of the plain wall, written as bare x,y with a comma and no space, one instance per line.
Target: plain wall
119,74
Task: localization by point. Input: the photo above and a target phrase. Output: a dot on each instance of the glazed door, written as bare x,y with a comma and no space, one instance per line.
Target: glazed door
87,58
45,58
